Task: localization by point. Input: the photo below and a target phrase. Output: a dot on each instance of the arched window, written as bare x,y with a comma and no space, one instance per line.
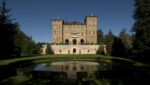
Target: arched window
67,41
81,41
74,42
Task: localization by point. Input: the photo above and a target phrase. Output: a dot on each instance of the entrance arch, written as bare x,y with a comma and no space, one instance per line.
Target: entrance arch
67,41
74,41
74,50
81,41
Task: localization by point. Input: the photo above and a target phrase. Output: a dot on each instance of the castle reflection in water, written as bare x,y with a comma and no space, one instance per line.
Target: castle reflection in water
71,68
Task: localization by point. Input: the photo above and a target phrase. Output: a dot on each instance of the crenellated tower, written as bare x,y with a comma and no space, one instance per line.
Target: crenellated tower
57,31
91,29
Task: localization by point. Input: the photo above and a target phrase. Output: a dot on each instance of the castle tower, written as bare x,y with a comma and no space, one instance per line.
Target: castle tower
57,30
91,25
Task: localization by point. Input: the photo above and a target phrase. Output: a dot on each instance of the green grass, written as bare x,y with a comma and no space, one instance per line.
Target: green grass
64,57
15,80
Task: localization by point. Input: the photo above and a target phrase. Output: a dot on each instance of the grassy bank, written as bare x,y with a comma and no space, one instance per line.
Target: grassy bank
63,57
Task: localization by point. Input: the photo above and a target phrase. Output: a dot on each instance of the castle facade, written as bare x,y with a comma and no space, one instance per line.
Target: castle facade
75,33
75,37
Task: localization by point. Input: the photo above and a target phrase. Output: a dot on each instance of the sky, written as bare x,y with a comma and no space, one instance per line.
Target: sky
34,16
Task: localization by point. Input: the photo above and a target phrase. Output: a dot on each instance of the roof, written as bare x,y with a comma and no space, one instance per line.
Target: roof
74,23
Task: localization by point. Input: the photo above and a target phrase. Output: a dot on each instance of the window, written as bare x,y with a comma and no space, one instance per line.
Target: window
82,34
74,42
79,51
67,41
54,27
81,41
93,33
88,51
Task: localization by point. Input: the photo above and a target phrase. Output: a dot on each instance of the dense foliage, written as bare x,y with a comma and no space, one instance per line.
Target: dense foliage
100,37
14,42
109,40
141,45
100,51
49,50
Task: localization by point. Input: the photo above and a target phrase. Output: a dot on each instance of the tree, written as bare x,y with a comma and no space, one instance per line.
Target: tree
7,32
108,40
49,50
19,40
37,49
14,42
141,45
100,36
126,41
100,51
118,48
28,48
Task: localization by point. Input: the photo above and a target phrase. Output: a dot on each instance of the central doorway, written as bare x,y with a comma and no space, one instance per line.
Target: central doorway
74,50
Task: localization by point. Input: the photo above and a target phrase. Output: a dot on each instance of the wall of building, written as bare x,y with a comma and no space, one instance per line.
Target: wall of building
70,30
86,31
57,31
75,49
91,24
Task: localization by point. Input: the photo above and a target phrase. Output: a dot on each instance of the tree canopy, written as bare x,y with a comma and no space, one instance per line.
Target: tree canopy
141,45
14,42
100,36
109,40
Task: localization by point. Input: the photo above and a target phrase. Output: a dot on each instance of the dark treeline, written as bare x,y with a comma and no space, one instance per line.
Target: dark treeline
135,46
120,46
14,42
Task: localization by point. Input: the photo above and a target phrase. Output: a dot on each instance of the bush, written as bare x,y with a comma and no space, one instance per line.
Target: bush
100,51
49,50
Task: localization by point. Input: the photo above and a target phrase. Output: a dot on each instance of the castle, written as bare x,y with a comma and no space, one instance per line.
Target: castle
75,32
75,37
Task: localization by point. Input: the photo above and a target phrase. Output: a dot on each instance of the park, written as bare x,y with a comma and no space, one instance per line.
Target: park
60,42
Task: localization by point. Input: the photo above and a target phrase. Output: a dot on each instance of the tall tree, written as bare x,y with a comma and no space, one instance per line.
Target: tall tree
126,39
118,48
108,40
100,36
141,43
100,51
49,50
28,48
7,32
14,42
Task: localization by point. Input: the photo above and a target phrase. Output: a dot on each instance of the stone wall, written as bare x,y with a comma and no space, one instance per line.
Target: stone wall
75,31
75,49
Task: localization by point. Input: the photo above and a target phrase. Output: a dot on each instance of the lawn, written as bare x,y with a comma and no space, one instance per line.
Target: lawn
64,57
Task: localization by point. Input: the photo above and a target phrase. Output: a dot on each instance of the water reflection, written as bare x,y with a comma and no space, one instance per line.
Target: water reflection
103,72
71,68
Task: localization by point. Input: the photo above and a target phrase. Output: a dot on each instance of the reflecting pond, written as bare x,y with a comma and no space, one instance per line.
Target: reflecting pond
74,72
